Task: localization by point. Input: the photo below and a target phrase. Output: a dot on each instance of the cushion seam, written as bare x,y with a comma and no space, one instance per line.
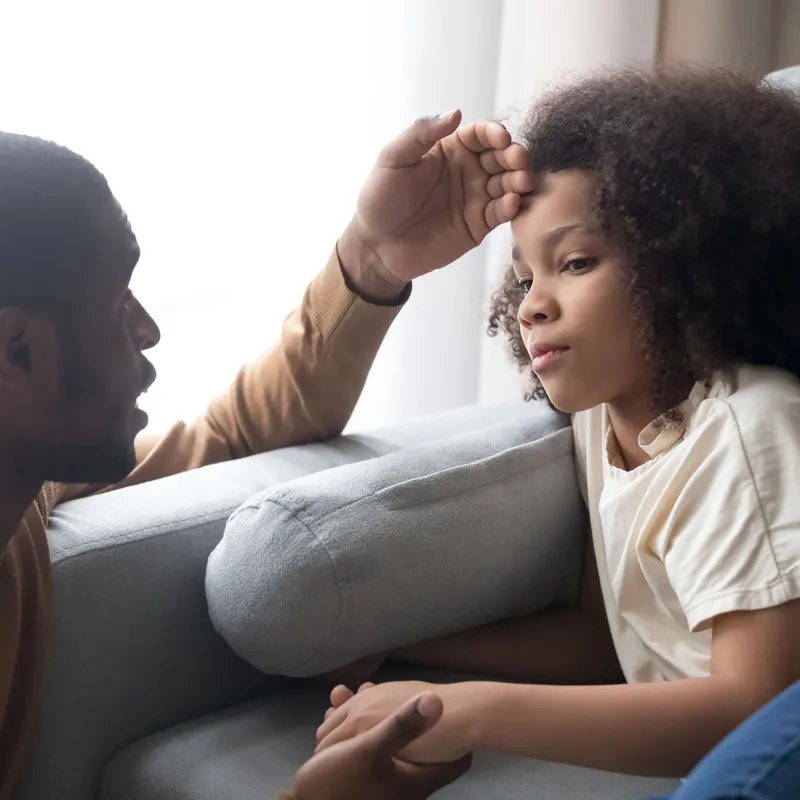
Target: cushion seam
340,581
469,489
375,492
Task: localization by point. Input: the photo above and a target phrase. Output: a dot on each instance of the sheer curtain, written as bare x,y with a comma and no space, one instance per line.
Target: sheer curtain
236,136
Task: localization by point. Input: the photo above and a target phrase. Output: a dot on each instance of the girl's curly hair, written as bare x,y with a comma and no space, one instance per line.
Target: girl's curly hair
696,176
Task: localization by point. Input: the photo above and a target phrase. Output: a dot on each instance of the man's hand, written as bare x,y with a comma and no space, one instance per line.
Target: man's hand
353,715
433,194
367,767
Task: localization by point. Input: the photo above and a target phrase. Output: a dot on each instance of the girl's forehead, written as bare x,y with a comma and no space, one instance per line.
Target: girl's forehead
560,200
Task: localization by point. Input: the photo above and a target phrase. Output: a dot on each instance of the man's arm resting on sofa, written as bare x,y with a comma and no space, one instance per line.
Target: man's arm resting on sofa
556,645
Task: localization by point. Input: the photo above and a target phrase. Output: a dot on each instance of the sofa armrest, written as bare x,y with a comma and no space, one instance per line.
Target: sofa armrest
132,648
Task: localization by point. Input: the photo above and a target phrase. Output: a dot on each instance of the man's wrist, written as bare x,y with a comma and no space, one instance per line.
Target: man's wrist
365,274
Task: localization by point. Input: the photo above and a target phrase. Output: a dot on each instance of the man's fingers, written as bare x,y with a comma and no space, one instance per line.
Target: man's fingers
484,135
409,147
429,778
509,158
518,182
365,686
408,723
502,210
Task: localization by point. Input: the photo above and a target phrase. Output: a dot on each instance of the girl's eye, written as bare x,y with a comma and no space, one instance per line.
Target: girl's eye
526,285
127,302
580,264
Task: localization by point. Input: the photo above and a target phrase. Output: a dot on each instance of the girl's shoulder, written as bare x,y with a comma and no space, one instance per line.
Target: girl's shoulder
755,412
757,396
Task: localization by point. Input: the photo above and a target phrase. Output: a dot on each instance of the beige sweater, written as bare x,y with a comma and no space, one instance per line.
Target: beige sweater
301,390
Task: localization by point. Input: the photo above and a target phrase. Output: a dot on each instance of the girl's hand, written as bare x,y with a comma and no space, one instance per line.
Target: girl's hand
373,704
366,767
353,675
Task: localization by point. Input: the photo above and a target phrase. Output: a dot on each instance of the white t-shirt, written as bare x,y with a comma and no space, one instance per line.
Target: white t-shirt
710,525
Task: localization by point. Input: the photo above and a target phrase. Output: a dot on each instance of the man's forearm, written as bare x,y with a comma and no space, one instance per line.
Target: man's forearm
561,646
660,729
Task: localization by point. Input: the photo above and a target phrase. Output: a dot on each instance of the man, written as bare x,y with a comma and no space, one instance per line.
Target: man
72,342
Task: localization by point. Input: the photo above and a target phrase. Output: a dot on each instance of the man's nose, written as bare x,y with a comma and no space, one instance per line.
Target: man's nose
146,332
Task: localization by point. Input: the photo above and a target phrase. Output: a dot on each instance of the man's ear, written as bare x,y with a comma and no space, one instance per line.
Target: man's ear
22,337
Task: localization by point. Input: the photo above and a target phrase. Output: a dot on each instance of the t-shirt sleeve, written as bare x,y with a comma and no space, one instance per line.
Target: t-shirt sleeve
733,531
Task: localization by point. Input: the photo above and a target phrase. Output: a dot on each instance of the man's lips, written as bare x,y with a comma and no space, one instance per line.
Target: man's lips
149,379
149,376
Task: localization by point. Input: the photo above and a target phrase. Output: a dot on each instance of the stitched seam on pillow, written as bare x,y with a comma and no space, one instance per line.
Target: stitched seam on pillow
377,492
400,504
258,500
339,583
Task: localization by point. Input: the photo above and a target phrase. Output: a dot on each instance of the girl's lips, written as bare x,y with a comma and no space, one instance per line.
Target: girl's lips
544,358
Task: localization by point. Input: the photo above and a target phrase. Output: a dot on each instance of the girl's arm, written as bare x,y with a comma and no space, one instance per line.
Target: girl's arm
650,729
558,645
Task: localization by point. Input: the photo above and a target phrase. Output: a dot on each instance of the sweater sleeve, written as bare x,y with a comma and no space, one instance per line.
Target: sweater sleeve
303,389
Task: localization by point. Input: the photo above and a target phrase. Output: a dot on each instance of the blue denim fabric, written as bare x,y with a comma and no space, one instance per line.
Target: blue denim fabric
760,760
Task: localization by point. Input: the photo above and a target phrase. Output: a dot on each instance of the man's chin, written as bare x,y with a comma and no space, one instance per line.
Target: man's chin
139,419
103,467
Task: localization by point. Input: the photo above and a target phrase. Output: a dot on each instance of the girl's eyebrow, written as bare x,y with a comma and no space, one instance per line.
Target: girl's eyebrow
553,237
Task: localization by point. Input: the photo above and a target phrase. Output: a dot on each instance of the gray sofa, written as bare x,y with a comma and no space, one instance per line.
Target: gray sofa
144,701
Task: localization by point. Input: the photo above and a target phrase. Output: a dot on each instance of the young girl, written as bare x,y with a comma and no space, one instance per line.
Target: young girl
656,289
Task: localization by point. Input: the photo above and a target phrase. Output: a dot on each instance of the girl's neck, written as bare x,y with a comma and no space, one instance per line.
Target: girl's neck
630,417
627,424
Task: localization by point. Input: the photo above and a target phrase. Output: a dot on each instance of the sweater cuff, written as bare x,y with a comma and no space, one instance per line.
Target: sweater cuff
332,301
400,300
